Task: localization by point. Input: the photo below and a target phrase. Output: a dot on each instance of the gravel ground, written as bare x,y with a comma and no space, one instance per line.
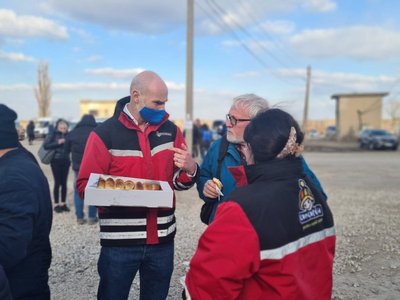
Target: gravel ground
363,190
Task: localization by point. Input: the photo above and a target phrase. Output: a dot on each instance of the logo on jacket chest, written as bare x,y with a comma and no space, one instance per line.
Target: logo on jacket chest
160,134
308,209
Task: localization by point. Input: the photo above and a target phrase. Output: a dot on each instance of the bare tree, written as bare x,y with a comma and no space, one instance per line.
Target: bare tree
393,109
42,91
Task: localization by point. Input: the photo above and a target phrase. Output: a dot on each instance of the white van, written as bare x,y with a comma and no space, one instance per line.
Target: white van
42,126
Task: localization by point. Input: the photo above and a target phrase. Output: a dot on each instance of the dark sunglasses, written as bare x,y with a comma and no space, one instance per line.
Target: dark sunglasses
234,120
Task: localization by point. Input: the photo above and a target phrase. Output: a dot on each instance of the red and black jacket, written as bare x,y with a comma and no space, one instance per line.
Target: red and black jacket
119,147
273,239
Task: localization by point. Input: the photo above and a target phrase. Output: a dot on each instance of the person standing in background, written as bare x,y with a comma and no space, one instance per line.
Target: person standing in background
196,138
206,139
30,132
75,144
25,216
60,164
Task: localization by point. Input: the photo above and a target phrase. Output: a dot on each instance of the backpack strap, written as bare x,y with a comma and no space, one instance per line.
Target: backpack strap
223,148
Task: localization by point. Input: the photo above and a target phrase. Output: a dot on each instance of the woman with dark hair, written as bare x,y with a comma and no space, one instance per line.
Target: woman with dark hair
281,235
60,164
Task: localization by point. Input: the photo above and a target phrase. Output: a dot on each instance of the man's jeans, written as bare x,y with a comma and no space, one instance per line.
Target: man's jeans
117,267
78,202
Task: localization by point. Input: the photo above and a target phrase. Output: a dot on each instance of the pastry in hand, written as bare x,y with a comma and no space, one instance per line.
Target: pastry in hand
129,185
110,183
218,183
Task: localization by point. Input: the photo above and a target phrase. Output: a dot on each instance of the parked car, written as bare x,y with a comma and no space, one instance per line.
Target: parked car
330,132
377,139
43,127
20,131
313,134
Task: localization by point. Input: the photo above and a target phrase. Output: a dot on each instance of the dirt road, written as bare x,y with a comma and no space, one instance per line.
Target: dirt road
364,195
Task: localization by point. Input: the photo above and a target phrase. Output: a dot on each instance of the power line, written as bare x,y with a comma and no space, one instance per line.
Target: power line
244,30
223,25
275,41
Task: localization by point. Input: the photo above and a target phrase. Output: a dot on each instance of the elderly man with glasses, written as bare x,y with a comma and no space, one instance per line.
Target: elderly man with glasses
243,109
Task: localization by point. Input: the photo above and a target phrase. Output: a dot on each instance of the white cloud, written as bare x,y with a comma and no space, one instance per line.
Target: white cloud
115,73
94,58
276,27
24,26
325,82
359,42
90,86
12,56
248,74
150,16
16,87
319,5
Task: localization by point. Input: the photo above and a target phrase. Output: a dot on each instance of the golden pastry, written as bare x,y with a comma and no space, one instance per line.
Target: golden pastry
139,186
129,185
119,184
155,187
218,183
147,186
101,184
110,183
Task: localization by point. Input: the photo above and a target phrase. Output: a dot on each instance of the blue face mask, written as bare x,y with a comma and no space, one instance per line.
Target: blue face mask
153,116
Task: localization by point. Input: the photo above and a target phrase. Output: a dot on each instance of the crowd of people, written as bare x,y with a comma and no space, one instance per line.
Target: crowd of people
270,233
202,137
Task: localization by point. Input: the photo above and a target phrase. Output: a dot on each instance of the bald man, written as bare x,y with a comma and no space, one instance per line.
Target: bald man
138,141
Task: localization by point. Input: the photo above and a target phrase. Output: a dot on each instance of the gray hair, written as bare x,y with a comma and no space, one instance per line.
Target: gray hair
252,103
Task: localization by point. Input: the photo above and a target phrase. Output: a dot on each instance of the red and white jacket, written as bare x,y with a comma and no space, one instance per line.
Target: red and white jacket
273,239
119,147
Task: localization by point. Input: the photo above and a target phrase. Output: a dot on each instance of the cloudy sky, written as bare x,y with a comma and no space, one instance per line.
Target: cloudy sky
94,48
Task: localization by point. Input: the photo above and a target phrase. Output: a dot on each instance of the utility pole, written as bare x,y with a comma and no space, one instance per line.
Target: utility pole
306,99
189,78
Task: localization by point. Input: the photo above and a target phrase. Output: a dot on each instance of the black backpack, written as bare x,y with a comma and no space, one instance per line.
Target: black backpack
207,207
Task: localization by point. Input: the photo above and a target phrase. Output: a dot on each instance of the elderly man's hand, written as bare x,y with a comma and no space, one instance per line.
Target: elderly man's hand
183,159
210,190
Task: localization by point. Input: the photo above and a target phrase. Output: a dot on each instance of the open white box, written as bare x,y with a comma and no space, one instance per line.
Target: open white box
143,198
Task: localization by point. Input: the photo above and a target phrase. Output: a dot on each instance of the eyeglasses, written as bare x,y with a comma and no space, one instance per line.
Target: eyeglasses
234,120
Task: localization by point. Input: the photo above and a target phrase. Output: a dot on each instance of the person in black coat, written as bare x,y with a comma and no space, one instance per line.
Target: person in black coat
5,293
75,144
30,132
59,164
25,216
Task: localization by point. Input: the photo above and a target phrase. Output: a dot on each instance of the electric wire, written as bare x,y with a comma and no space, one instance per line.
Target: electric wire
216,18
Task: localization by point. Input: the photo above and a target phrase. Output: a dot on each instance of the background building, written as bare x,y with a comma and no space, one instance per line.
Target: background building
357,111
98,108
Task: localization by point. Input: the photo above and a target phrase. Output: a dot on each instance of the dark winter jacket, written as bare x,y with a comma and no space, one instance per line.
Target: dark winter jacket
76,139
5,293
51,142
272,238
30,129
25,223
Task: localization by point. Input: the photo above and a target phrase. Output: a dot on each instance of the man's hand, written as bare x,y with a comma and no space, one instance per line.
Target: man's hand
184,160
210,190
